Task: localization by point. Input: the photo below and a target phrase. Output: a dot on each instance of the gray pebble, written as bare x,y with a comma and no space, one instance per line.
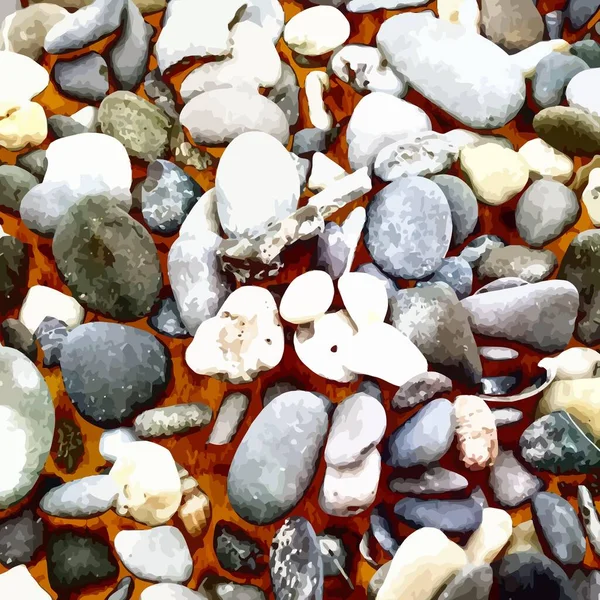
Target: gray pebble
123,591
554,24
480,247
167,320
517,261
381,528
17,336
236,551
20,538
64,126
311,140
229,418
504,283
588,51
169,420
15,182
84,78
472,582
156,89
332,548
552,75
51,335
278,388
579,12
506,416
511,483
35,162
285,94
370,387
498,353
421,388
436,480
456,272
499,385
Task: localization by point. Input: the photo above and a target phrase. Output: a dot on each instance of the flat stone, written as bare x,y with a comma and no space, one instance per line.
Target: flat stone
107,389
541,315
507,416
546,162
17,336
20,538
231,414
436,480
219,588
167,320
552,75
160,554
236,551
512,24
254,483
84,78
497,353
452,516
588,51
569,130
511,483
477,437
171,420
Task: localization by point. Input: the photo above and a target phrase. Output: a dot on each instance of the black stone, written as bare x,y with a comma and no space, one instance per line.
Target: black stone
236,551
67,448
17,336
452,516
35,162
167,320
14,271
20,537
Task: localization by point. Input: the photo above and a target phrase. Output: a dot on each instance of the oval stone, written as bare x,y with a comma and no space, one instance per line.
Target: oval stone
277,459
453,516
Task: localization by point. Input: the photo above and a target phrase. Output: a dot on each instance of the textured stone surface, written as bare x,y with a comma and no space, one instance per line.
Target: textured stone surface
436,480
452,516
20,538
231,414
16,335
80,498
15,182
170,420
512,24
236,551
569,130
552,75
517,261
167,320
456,272
14,270
420,389
511,483
476,250
84,78
588,51
470,583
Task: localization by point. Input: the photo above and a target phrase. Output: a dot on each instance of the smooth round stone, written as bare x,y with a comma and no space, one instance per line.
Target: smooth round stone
378,120
552,75
511,483
160,554
425,551
579,12
587,50
496,174
452,516
316,30
81,498
425,437
127,288
436,57
264,482
435,480
490,537
113,441
21,580
22,122
408,228
14,269
517,261
463,206
358,425
20,538
112,372
307,297
27,425
591,196
569,130
456,272
14,185
84,78
557,443
256,184
27,78
365,298
575,363
471,583
522,574
546,162
219,116
579,93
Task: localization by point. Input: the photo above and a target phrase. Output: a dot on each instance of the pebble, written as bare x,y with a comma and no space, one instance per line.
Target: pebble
511,483
17,336
311,139
476,250
42,301
560,527
496,174
590,196
380,525
500,385
588,51
123,590
579,12
512,24
527,60
20,579
81,498
554,22
575,363
552,75
285,94
378,120
462,12
456,272
112,372
507,416
62,126
545,162
172,591
249,313
231,414
84,27
140,126
541,315
420,389
497,353
195,513
15,182
270,472
569,130
27,425
160,554
471,583
148,481
171,420
518,261
425,437
124,290
27,78
22,123
75,561
167,320
332,549
316,30
524,539
578,94
20,538
490,537
586,586
70,449
477,438
219,588
436,480
432,54
580,266
411,575
237,551
84,78
216,117
408,228
113,441
14,269
422,154
365,298
433,318
268,14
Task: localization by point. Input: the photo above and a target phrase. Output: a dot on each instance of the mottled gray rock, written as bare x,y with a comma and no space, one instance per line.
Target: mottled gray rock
20,538
476,250
554,21
372,269
51,335
473,582
84,78
26,427
14,270
560,527
498,353
15,182
456,272
17,336
156,89
420,389
81,498
500,385
231,414
589,516
579,12
124,287
64,126
158,554
237,551
588,51
506,416
295,562
432,318
517,261
278,388
511,483
425,437
167,320
552,75
541,315
370,387
436,480
285,94
452,516
35,162
381,527
545,211
112,372
123,591
463,206
332,549
581,266
277,459
219,588
310,140
170,420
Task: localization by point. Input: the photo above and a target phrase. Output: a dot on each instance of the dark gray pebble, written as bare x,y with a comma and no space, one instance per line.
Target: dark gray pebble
588,51
15,182
479,248
236,551
17,336
123,591
470,583
552,76
20,537
500,385
51,335
456,272
167,320
14,271
35,162
421,388
84,78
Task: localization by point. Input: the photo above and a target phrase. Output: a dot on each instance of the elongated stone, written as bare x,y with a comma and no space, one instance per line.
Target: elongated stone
420,389
169,420
230,416
589,515
511,482
81,498
435,480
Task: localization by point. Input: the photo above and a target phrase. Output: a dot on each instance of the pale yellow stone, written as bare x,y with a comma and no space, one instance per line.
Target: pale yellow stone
195,513
463,12
579,397
524,539
591,196
496,174
21,124
574,363
146,6
490,537
527,60
544,161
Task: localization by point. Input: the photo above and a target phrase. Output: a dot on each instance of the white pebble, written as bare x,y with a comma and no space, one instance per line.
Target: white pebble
18,582
316,83
582,91
316,30
497,353
545,161
308,297
21,123
344,190
324,172
22,77
364,297
575,363
113,441
42,301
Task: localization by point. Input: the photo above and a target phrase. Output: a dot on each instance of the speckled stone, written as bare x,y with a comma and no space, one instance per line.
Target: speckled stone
456,272
552,75
84,78
511,483
20,538
169,420
15,182
237,551
14,270
167,320
517,261
476,250
452,516
420,389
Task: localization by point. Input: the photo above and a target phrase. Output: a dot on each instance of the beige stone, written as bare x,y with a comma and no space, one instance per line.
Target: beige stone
544,161
524,539
476,432
195,513
591,196
490,537
497,174
21,124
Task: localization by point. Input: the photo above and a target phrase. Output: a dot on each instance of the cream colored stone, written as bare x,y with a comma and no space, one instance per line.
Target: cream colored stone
364,297
574,363
22,123
476,432
324,172
18,583
497,174
544,161
425,561
307,298
316,30
42,301
22,79
528,59
490,537
591,196
463,12
195,513
315,84
524,539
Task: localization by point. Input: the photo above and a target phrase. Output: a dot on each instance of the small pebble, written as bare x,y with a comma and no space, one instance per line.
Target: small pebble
507,416
167,320
546,162
307,298
436,480
17,336
552,75
15,182
170,420
123,590
511,483
236,551
84,78
498,353
316,30
51,335
20,538
230,416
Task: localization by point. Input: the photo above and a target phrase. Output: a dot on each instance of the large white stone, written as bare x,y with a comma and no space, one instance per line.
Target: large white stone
113,441
257,184
22,78
582,91
22,123
364,297
574,363
490,537
266,13
462,72
308,297
378,120
316,30
462,12
18,582
545,161
42,301
527,60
